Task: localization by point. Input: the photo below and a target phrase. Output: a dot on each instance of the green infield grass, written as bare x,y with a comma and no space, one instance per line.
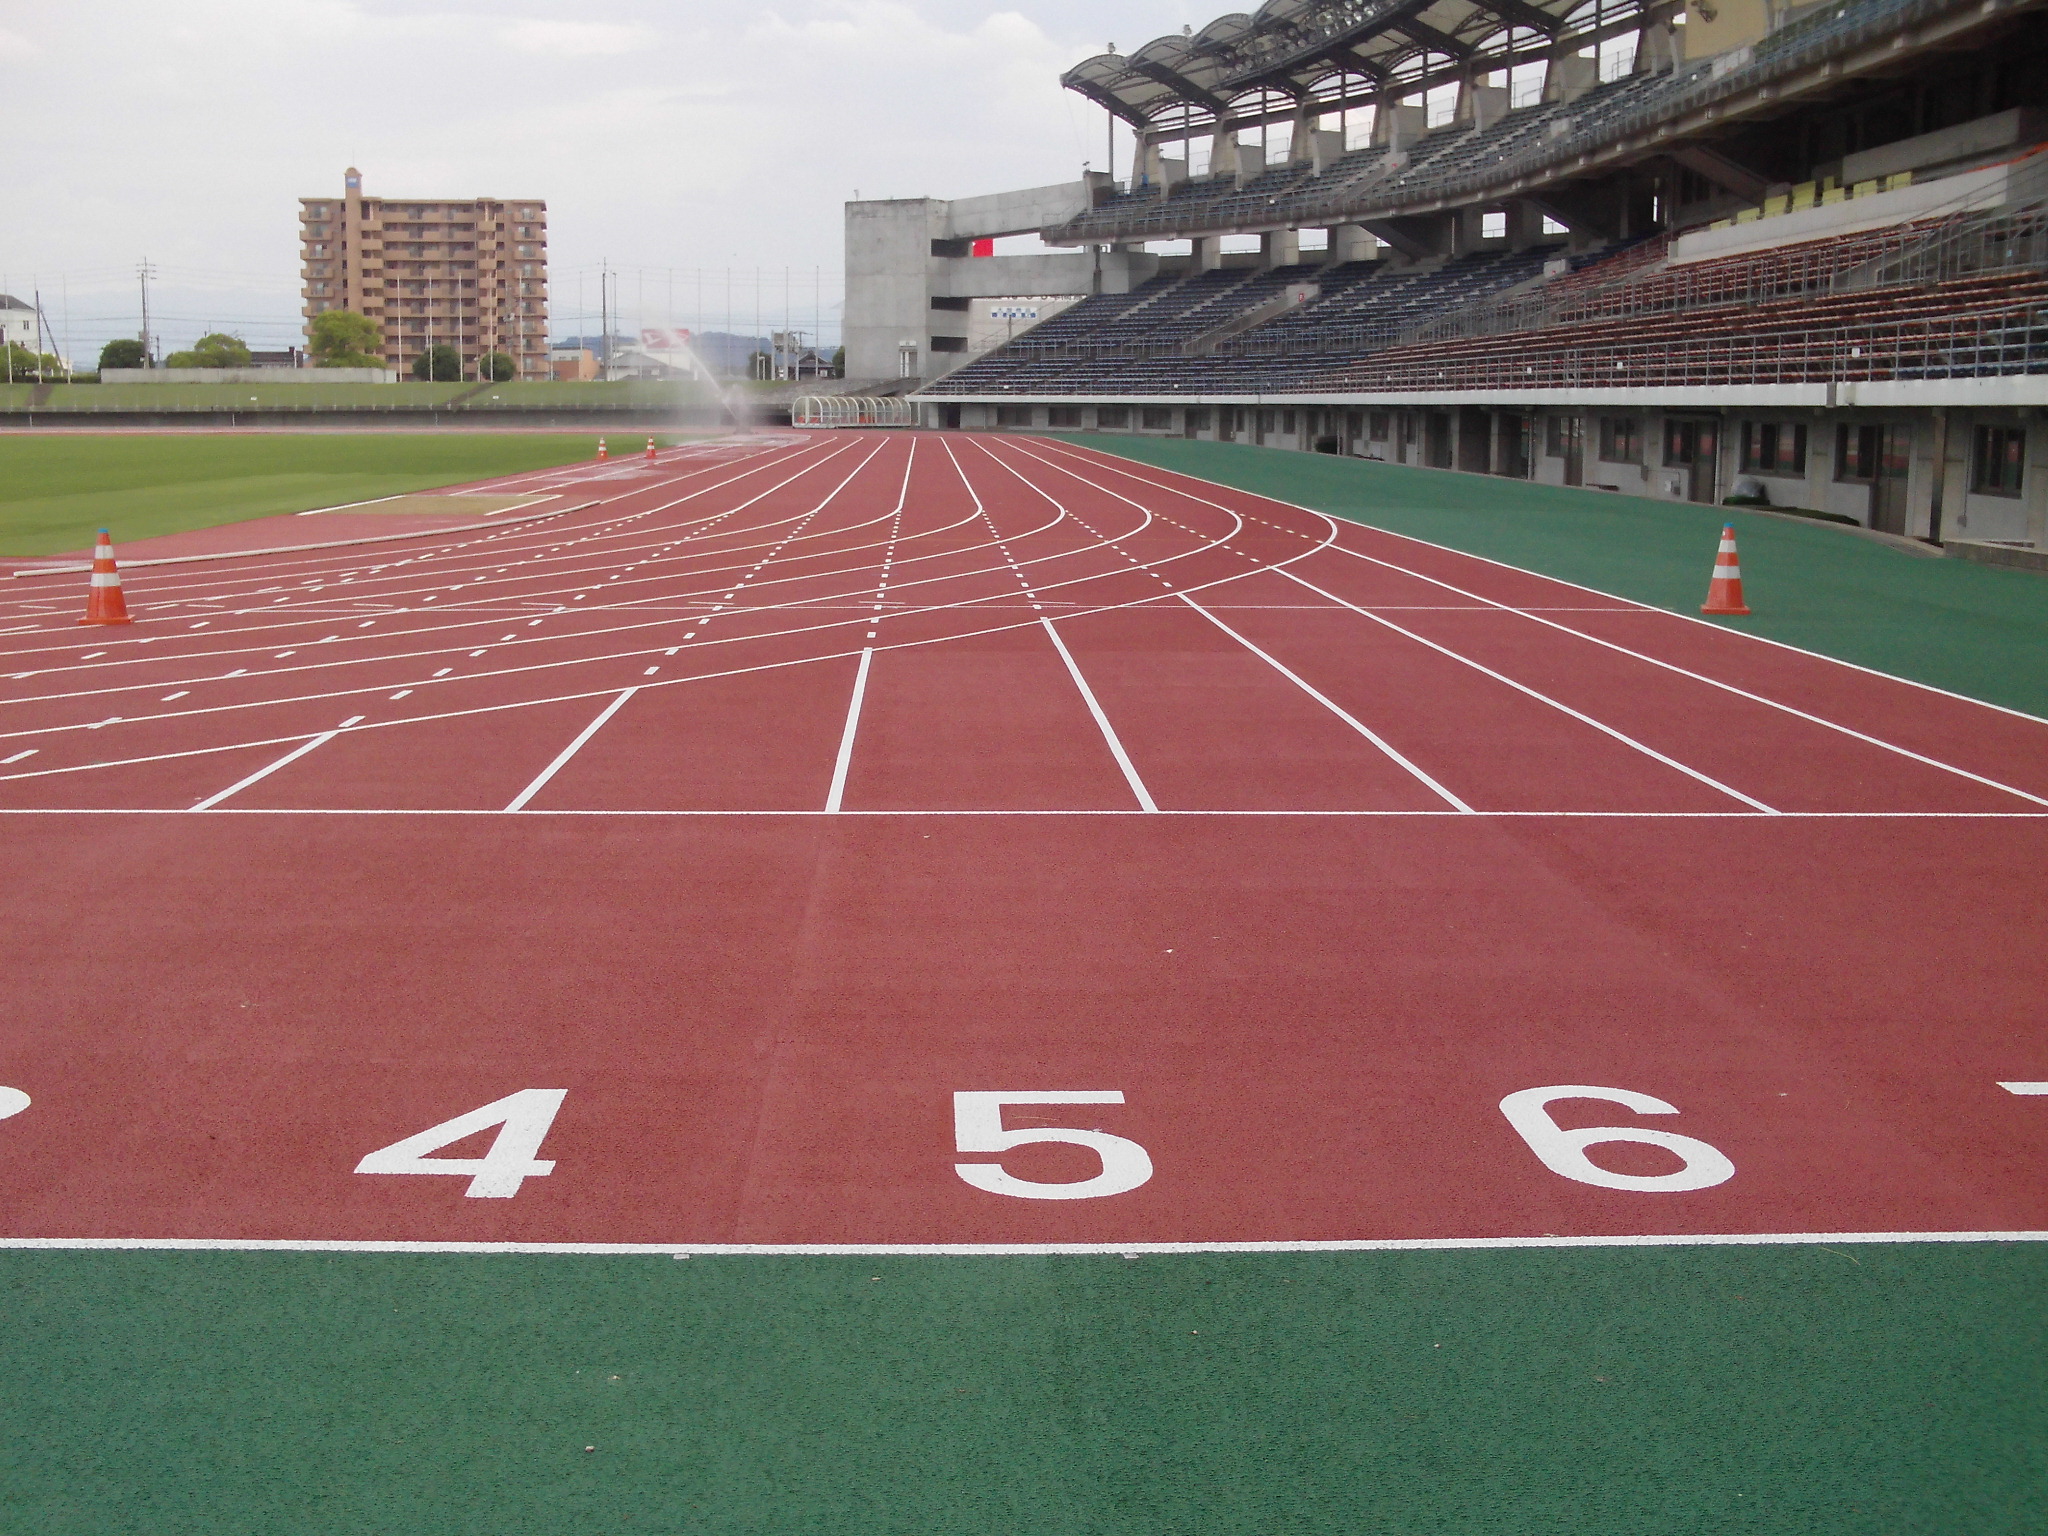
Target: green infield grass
55,490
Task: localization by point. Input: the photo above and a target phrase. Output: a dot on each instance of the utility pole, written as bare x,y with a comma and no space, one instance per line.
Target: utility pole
145,272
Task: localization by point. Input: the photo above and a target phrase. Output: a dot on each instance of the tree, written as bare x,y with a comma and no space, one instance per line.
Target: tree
440,364
499,368
20,363
123,352
218,350
341,338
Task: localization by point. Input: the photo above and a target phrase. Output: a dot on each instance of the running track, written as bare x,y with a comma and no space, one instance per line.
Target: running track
796,785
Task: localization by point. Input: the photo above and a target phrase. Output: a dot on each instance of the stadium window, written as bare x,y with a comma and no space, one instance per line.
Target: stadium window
1378,424
1493,226
1063,416
1014,415
1112,418
1552,227
1856,450
2000,462
1621,440
1268,422
1774,448
1198,419
1287,423
1156,418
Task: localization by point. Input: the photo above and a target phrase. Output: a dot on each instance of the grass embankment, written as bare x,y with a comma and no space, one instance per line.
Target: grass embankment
314,395
1977,630
54,491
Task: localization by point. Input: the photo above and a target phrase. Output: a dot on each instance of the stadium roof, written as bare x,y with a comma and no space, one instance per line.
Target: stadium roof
1333,52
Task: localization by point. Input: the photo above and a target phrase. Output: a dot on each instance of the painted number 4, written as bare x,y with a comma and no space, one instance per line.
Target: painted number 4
523,1120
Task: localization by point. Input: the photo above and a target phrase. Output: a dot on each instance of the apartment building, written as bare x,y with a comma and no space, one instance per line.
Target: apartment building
470,273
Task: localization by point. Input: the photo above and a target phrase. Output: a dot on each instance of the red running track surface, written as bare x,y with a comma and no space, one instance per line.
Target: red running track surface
802,783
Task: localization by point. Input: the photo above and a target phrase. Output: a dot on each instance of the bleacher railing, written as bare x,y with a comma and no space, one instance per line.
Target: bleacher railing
1810,40
1986,343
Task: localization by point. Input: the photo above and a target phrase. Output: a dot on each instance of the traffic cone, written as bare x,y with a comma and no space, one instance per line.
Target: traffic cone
602,451
650,450
104,603
1724,595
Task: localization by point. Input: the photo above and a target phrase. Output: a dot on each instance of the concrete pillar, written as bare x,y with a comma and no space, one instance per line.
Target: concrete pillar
1352,242
1280,248
1250,163
1208,252
1325,149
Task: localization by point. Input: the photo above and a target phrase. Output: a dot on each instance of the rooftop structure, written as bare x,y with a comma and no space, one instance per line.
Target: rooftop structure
469,273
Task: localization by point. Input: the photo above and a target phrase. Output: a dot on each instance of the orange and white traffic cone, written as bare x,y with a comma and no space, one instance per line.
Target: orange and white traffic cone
602,451
650,450
104,603
1724,595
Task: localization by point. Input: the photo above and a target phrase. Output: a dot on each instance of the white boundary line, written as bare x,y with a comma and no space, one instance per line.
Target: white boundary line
835,798
1541,698
998,1250
53,810
1108,459
1337,524
1116,747
1331,705
263,773
582,739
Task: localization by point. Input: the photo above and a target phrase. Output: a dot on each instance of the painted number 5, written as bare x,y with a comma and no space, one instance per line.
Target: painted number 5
978,1127
1564,1152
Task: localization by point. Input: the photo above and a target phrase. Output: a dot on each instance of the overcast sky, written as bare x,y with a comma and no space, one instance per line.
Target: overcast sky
664,134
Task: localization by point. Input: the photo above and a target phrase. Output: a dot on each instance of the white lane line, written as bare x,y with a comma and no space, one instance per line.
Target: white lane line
263,773
1337,525
2026,1090
1331,705
835,798
1715,682
998,1250
31,752
1116,747
1541,698
561,762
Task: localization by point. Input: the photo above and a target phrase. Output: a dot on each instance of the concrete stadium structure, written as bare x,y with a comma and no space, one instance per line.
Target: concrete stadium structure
1795,255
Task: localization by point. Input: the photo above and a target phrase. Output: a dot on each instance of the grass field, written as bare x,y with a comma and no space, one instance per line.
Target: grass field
314,395
1973,629
56,490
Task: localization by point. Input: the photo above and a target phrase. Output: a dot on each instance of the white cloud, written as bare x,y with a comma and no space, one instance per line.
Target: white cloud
573,39
14,46
666,135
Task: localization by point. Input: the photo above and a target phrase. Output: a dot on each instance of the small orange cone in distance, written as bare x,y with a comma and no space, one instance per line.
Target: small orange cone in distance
650,450
602,451
1724,595
104,603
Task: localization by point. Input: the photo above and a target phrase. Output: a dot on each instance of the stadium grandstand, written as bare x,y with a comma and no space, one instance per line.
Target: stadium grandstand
1785,255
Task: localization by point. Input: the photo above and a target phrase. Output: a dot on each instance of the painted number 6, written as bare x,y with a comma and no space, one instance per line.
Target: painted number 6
978,1127
1564,1152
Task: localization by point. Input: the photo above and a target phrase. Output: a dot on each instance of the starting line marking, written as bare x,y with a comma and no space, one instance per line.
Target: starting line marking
2026,1090
999,1250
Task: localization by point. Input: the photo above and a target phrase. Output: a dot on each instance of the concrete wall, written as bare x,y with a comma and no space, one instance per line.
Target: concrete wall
1448,433
247,376
904,253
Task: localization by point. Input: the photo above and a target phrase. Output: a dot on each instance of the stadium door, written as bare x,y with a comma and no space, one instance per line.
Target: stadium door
1894,460
1693,443
1568,442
